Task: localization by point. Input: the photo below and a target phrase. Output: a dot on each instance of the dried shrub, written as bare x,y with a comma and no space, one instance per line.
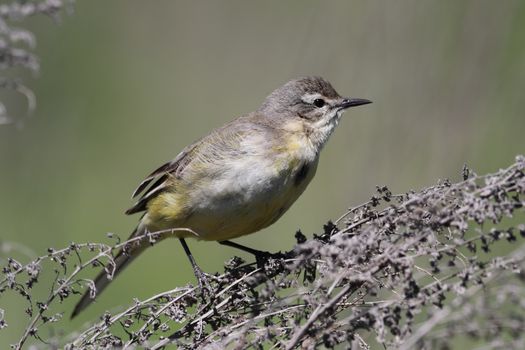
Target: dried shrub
414,270
17,45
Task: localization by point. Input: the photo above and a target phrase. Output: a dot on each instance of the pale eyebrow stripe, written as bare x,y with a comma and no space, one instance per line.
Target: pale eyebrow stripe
309,98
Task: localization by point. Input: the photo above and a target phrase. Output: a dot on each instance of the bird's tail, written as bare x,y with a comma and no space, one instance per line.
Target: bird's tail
123,259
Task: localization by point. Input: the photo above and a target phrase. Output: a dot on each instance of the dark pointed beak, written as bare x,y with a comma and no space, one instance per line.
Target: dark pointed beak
353,102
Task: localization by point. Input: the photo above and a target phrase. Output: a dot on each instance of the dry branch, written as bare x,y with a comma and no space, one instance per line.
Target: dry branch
414,270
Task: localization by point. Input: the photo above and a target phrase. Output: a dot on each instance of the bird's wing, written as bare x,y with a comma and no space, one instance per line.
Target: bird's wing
156,182
223,142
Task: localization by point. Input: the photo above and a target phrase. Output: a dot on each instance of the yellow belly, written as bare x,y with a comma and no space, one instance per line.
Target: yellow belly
245,219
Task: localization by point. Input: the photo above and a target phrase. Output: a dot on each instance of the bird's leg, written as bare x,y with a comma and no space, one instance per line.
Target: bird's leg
260,256
201,276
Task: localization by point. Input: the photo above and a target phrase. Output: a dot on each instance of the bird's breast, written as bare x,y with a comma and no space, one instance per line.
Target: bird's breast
252,192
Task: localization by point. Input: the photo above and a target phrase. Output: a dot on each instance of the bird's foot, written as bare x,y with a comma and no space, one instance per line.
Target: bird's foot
267,260
203,280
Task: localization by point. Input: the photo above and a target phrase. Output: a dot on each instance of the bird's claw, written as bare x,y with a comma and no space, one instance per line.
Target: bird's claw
263,258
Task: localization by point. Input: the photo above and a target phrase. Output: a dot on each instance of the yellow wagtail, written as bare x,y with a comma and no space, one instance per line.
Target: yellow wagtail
241,177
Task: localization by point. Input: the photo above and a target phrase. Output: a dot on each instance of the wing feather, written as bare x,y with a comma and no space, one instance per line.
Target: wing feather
156,182
160,170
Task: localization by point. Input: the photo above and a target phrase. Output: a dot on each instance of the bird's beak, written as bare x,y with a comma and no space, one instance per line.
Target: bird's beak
352,102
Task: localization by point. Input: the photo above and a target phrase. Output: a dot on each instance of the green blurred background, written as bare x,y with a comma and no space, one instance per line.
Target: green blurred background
125,85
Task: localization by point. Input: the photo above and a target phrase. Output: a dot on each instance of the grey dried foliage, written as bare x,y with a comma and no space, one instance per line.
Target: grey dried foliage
420,270
17,45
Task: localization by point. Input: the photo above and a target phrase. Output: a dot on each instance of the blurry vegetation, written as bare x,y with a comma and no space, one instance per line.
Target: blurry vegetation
16,45
123,86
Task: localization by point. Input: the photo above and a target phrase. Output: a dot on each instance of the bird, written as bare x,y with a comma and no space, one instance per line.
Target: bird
238,179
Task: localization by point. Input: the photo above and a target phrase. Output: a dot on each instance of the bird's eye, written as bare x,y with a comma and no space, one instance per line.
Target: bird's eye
319,102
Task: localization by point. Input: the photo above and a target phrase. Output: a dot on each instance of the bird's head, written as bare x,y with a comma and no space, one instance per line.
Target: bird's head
311,101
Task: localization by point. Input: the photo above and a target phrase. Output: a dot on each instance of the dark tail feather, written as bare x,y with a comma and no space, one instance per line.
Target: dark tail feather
101,281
